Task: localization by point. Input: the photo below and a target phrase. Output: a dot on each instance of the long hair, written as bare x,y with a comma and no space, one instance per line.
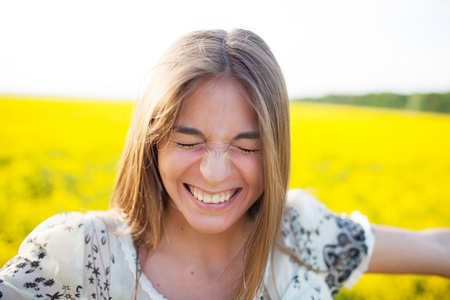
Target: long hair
198,56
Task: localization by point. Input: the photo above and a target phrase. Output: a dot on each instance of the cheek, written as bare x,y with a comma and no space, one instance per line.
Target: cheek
163,163
173,164
252,170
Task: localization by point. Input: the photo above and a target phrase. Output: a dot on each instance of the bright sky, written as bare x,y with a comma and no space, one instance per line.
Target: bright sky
105,48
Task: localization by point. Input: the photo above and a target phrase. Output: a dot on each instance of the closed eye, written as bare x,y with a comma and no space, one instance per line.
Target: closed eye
247,151
187,145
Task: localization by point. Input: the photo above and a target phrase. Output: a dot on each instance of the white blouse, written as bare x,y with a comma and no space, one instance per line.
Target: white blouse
91,256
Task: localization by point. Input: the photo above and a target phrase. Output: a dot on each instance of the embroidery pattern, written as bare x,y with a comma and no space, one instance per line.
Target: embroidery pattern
346,255
98,258
341,256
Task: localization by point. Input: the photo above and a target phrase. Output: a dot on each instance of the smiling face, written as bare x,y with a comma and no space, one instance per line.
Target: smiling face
211,165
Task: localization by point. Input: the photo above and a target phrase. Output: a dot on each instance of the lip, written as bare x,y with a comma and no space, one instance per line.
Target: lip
212,206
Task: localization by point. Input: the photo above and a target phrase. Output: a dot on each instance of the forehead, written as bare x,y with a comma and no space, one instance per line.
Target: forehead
217,105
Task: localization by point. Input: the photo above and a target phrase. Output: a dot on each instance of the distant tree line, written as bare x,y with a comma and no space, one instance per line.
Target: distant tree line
424,102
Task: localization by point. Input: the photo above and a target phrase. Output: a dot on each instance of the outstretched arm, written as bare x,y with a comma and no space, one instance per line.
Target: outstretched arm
401,251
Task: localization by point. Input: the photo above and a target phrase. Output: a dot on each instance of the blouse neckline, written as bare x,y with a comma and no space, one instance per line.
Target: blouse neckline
129,250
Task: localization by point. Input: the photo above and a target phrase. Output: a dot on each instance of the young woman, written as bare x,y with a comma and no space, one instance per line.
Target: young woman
200,208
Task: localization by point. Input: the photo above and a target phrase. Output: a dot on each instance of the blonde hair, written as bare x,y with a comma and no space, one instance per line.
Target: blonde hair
245,58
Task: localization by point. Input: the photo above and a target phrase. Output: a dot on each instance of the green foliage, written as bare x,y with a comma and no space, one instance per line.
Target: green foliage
420,102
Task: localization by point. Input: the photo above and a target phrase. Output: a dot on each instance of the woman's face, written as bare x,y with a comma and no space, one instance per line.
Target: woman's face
211,164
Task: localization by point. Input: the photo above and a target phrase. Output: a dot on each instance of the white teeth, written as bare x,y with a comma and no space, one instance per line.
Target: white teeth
208,198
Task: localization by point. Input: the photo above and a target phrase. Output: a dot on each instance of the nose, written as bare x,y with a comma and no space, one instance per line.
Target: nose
215,166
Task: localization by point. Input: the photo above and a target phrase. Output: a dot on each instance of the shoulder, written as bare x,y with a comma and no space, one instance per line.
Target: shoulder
335,247
72,223
300,202
52,260
305,216
68,228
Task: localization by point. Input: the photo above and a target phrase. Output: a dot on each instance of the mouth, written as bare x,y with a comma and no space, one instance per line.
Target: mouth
215,198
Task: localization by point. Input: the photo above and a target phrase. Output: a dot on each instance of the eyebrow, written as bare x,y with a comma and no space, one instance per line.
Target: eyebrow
188,130
253,135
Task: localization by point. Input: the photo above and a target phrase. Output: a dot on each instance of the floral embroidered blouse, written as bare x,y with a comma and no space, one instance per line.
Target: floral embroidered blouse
89,256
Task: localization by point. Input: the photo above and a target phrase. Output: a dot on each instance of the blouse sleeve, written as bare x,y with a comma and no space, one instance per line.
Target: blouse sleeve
337,246
49,263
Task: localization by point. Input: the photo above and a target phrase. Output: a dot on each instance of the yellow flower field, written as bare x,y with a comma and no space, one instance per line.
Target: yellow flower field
393,166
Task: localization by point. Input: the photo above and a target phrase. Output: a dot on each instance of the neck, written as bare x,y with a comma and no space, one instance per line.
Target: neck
210,250
188,264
